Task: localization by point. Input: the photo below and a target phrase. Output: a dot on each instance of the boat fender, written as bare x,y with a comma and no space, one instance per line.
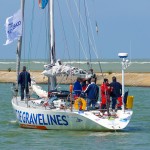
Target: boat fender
71,88
129,104
80,104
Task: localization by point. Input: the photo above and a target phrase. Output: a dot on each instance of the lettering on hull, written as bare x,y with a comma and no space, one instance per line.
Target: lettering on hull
26,118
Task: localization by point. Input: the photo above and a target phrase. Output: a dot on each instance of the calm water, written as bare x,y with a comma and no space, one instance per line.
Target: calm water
135,136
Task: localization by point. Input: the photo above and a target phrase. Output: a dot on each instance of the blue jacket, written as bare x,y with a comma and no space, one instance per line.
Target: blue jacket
77,88
24,78
92,91
116,89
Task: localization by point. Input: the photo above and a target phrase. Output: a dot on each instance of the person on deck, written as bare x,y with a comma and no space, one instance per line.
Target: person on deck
25,81
93,76
105,95
116,91
77,88
92,92
85,83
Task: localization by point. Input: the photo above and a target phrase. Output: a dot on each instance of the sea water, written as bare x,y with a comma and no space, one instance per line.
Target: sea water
108,65
135,136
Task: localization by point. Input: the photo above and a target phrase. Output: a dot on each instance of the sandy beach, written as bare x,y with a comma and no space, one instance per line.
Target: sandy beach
131,79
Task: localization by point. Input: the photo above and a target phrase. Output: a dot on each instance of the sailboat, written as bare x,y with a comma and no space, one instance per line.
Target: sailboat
57,109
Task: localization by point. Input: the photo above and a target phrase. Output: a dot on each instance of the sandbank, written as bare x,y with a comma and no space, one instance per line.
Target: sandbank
131,79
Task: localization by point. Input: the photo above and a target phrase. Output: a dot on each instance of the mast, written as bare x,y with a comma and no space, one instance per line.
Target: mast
18,52
52,45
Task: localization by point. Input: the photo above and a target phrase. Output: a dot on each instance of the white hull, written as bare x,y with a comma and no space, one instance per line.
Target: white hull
34,114
40,117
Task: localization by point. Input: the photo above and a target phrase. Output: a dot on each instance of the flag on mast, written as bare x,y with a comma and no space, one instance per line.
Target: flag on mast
13,27
43,3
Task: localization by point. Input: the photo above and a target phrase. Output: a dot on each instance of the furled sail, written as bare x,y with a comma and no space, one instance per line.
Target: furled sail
38,90
59,68
43,3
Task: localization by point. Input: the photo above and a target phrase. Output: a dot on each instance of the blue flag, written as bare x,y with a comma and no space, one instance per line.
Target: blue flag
43,3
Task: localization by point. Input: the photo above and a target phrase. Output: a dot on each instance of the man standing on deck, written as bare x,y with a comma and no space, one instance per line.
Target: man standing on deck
77,88
25,81
92,94
116,91
105,95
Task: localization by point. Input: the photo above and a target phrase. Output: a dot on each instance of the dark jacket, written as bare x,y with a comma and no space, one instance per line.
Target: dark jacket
116,89
92,91
24,78
77,88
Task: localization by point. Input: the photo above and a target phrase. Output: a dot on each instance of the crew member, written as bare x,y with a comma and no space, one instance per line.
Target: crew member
24,81
105,95
116,91
92,92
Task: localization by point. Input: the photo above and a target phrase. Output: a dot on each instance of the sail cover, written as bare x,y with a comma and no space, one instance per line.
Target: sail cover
38,90
58,68
43,3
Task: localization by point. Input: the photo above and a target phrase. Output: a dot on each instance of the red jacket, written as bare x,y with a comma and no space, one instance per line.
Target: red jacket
105,93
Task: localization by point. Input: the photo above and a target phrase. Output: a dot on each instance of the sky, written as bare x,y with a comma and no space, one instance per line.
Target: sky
124,26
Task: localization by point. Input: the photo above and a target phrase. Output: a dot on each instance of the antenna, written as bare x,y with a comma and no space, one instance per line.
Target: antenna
130,51
123,55
125,63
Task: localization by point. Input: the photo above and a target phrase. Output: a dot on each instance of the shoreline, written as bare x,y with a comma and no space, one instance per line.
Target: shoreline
131,79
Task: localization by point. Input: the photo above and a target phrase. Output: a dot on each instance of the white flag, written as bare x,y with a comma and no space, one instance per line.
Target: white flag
13,27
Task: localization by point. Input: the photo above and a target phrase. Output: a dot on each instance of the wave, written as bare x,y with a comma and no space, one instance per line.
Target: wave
85,62
72,62
38,62
7,63
107,62
140,62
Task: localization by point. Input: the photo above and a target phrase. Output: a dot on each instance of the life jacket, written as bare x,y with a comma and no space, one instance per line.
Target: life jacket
105,93
119,104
